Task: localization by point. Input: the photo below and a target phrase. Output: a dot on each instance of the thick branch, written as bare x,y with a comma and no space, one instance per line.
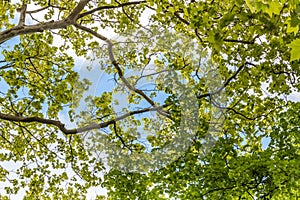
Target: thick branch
75,13
14,118
15,31
22,15
61,126
21,30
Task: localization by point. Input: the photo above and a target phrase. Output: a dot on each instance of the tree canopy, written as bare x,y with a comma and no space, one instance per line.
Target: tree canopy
150,99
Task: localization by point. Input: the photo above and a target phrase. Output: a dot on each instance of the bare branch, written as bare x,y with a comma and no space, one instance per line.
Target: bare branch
231,78
110,7
198,36
226,82
22,15
120,137
181,19
7,66
239,41
44,8
37,10
242,41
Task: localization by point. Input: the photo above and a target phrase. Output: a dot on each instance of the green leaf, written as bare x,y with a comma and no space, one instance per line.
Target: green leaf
291,29
295,52
274,8
250,4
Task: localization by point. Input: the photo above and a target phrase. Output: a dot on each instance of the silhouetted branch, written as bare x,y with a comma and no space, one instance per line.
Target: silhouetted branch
121,5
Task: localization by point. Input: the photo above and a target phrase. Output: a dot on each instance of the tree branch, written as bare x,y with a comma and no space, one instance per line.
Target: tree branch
242,41
44,8
22,15
37,10
21,30
120,137
61,126
110,7
226,82
239,41
73,16
7,66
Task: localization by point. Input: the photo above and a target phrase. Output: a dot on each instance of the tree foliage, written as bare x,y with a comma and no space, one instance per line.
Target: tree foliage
239,58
